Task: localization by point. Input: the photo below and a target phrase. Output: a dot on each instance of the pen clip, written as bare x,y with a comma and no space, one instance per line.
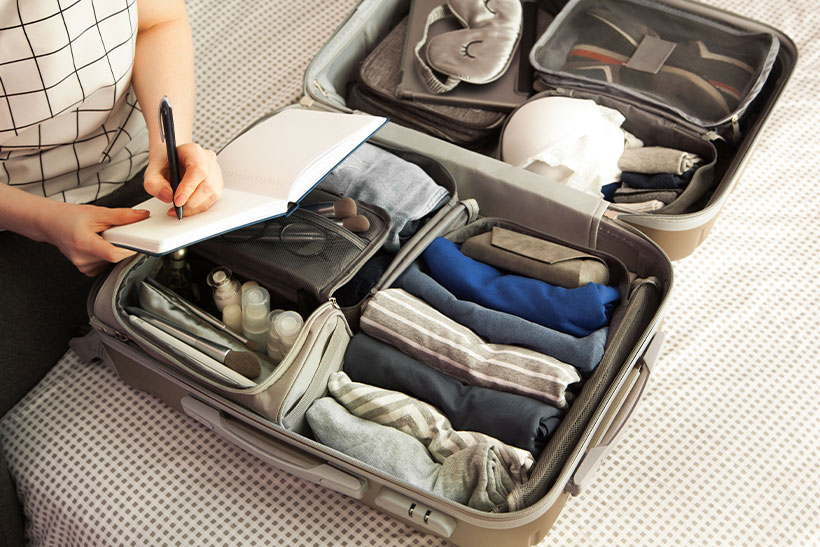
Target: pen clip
162,102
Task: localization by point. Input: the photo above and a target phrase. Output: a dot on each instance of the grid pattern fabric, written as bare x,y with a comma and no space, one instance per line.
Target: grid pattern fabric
65,69
722,450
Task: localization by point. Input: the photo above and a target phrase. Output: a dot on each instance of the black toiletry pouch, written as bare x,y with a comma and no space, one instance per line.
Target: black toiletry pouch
302,257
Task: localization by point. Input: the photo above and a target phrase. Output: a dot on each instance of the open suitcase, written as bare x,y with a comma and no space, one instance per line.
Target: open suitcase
269,418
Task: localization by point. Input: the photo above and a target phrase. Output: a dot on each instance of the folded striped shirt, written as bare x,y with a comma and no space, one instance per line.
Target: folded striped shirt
422,421
417,329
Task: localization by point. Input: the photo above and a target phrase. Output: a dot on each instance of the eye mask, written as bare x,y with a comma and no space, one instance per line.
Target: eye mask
479,53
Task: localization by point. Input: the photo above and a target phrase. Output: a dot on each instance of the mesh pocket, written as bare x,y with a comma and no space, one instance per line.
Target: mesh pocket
704,69
302,253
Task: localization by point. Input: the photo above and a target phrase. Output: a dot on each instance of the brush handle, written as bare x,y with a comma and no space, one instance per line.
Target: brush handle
205,316
209,348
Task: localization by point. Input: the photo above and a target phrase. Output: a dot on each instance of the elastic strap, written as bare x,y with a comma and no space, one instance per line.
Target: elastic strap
430,79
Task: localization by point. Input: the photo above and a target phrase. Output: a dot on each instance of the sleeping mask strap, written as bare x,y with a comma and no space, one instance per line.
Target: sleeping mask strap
430,79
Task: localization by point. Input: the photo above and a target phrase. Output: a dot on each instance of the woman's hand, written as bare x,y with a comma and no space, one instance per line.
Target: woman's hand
75,230
201,183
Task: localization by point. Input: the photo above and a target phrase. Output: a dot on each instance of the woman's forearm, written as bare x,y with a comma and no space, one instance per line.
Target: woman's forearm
164,65
24,213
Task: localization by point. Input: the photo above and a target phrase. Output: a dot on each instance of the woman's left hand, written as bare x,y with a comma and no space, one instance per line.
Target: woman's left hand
201,183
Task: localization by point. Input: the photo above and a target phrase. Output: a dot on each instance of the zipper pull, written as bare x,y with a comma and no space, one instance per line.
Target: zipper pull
735,128
318,86
333,303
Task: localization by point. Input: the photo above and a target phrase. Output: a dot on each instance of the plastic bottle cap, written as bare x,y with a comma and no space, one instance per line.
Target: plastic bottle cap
288,325
271,322
248,284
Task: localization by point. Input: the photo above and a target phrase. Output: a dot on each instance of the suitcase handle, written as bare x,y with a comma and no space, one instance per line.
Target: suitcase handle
264,447
614,421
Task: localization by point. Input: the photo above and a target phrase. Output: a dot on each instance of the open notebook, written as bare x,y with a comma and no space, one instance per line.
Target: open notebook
267,169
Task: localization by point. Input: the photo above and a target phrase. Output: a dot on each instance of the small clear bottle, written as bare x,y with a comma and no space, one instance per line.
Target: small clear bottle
226,290
288,325
274,343
255,308
175,274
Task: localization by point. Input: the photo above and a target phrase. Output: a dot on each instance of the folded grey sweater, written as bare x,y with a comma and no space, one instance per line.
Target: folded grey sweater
422,421
475,476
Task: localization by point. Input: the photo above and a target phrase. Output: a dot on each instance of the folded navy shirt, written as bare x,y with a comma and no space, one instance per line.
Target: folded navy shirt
657,181
499,327
514,419
579,311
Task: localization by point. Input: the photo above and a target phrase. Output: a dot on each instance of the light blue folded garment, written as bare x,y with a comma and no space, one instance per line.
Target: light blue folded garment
499,327
403,189
579,311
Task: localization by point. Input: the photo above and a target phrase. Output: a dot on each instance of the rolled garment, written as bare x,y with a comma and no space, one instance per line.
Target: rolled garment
376,176
530,256
422,421
641,206
637,195
608,190
474,477
398,318
499,327
657,159
513,419
658,181
575,311
355,290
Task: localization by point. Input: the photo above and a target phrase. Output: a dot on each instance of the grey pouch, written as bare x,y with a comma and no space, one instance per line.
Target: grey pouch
379,75
281,393
537,258
703,70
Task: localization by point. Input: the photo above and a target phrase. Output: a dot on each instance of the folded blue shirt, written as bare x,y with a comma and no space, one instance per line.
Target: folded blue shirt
499,327
578,311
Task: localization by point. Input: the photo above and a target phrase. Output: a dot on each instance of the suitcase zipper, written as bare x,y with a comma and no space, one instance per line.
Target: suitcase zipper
108,331
318,384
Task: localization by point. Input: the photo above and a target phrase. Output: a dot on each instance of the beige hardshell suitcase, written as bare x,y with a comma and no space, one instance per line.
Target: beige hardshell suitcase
268,419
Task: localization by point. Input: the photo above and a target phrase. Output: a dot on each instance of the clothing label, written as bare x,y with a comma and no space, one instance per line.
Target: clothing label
651,54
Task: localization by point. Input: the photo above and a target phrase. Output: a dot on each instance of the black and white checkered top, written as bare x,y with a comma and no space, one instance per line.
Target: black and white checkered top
70,125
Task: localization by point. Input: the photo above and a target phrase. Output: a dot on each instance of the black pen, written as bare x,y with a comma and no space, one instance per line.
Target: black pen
166,133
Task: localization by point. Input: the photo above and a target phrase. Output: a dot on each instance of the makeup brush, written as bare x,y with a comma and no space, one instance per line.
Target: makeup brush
341,208
243,362
205,316
356,223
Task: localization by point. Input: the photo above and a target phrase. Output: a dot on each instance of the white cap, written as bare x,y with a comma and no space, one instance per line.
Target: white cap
248,284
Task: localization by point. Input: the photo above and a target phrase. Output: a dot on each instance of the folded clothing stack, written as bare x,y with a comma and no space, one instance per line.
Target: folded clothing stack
475,476
426,399
374,175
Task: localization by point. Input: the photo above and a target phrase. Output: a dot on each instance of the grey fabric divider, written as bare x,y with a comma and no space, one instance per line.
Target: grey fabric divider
628,324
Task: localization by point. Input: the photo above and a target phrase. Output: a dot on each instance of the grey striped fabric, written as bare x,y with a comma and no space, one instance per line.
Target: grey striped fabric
421,421
419,330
